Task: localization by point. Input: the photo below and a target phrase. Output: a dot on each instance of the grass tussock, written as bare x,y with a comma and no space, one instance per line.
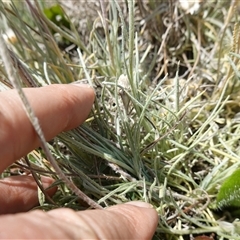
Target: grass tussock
165,125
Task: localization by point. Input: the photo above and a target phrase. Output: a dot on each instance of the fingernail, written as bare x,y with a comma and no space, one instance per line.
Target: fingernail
140,204
81,83
46,181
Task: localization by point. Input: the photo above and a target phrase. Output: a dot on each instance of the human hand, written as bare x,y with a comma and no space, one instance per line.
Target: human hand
58,108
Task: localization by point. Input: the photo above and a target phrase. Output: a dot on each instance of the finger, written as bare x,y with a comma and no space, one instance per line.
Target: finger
20,193
124,221
58,108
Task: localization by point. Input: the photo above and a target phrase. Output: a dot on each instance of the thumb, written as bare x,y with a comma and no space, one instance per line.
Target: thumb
134,220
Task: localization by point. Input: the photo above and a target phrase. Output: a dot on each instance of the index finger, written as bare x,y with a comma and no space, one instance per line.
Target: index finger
58,108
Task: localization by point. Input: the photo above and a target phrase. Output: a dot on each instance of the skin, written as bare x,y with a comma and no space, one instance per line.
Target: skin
58,108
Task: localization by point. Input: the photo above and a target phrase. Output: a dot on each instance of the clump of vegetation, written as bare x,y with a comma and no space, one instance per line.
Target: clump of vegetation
165,124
